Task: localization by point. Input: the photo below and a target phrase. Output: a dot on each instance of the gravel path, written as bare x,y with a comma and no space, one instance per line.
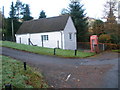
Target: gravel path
100,71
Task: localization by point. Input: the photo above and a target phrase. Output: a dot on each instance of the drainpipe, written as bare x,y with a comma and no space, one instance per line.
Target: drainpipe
61,40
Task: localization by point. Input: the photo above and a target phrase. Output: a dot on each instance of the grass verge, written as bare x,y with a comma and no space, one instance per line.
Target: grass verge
46,51
13,73
116,51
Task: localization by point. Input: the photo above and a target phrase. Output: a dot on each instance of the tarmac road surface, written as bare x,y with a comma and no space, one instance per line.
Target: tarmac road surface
100,71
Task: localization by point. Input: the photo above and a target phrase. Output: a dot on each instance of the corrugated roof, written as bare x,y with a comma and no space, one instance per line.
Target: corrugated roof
43,25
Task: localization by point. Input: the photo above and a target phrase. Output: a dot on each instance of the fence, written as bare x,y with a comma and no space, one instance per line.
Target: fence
102,46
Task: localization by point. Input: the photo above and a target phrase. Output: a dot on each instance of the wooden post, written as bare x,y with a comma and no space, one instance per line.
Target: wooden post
20,40
12,30
58,44
25,68
103,47
75,52
54,51
28,41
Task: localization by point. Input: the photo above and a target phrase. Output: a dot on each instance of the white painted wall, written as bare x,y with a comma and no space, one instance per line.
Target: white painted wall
53,39
24,38
70,28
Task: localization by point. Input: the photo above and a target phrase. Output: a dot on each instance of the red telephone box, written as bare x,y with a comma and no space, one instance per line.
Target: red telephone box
94,43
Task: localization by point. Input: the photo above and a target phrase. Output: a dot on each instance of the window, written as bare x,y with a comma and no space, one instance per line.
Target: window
44,37
70,36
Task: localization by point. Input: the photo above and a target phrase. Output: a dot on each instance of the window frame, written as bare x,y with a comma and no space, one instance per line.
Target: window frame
44,37
70,36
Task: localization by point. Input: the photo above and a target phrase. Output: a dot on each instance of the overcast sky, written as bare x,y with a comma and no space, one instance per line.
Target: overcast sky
94,8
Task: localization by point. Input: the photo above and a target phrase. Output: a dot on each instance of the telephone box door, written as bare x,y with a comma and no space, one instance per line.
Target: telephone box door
94,43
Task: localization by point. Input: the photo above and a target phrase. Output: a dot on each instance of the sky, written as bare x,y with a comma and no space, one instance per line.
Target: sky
93,8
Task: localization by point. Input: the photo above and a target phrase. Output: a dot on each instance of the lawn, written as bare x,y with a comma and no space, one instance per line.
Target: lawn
13,73
46,51
116,51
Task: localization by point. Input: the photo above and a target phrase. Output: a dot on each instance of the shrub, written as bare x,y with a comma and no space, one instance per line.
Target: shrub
104,38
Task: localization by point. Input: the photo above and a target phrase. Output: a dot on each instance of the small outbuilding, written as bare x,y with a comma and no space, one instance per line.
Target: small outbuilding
54,32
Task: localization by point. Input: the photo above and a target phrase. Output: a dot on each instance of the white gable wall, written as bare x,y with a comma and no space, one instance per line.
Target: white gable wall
70,29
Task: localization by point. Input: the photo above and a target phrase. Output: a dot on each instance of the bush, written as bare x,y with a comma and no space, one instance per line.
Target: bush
104,38
115,39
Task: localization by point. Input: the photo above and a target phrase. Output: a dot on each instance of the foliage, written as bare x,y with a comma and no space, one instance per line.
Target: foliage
110,8
110,26
111,23
46,51
42,14
12,12
8,28
98,27
26,13
111,46
79,18
104,38
19,8
18,12
115,38
116,51
13,73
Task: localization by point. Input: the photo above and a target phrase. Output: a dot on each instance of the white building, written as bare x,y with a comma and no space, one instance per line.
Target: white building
55,32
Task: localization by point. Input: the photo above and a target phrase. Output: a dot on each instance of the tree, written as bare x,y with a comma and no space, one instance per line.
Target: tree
104,38
110,8
12,12
111,23
26,13
0,19
1,31
19,8
15,12
76,11
98,27
18,12
42,14
111,26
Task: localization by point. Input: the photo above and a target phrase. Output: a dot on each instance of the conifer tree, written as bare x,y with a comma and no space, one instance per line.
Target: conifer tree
76,11
19,7
42,14
26,13
12,12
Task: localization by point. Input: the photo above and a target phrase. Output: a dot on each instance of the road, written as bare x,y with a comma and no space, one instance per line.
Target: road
100,71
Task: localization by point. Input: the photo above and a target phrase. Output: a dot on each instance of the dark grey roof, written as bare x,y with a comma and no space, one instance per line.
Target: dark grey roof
44,25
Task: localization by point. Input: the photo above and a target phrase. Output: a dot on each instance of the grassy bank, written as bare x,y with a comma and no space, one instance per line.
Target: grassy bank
116,51
13,73
46,51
